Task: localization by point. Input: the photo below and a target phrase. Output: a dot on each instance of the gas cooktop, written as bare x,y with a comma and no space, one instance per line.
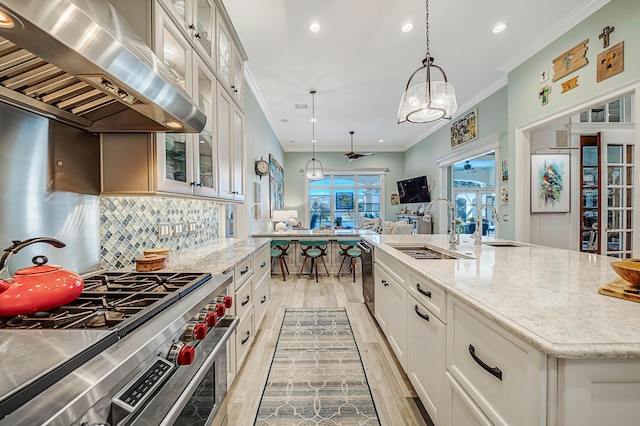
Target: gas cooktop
113,300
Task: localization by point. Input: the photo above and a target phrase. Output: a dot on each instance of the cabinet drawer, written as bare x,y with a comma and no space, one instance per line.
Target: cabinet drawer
242,271
244,339
462,410
261,296
262,262
428,293
502,374
396,269
243,300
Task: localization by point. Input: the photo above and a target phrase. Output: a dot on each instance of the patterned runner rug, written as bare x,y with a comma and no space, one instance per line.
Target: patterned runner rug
316,376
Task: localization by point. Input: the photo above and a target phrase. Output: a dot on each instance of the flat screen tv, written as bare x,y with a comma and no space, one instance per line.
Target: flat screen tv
415,190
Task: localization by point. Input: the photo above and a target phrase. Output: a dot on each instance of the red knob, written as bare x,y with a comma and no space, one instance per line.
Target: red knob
211,319
200,331
186,355
220,309
228,301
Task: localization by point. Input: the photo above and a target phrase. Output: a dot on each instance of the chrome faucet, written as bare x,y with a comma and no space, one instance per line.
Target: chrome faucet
477,235
454,240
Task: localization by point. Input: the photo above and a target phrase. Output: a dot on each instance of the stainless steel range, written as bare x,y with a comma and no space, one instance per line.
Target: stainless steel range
134,348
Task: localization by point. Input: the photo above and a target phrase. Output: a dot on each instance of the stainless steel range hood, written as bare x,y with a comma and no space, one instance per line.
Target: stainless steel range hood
79,61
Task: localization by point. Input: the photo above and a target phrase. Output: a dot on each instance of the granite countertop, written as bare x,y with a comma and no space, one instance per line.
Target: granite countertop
215,257
331,234
546,296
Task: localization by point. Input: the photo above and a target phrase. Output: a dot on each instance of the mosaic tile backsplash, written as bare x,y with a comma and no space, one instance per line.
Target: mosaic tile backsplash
128,225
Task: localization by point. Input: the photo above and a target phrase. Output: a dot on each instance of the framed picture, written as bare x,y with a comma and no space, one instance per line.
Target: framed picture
550,183
464,129
344,201
276,186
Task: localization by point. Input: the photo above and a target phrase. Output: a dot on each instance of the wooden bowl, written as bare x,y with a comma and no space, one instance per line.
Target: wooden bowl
151,262
628,270
162,251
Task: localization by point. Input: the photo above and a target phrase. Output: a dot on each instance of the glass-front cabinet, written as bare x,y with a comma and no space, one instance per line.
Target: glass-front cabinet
230,62
606,202
197,20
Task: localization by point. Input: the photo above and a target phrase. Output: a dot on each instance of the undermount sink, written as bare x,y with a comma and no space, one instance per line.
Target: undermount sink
505,244
428,253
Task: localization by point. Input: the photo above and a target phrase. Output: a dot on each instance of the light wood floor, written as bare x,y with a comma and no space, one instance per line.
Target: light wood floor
392,392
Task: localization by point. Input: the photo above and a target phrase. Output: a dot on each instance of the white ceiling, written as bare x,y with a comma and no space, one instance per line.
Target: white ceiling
360,61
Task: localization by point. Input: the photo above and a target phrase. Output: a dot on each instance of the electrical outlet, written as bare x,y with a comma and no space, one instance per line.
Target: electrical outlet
178,229
164,230
191,227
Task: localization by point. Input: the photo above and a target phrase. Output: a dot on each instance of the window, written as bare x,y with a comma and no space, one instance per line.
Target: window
618,111
338,201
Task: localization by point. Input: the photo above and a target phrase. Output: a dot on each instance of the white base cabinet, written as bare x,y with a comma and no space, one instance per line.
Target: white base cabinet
426,343
598,392
391,301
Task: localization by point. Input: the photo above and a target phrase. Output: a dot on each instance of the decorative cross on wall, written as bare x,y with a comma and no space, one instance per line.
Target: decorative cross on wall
605,35
544,95
567,61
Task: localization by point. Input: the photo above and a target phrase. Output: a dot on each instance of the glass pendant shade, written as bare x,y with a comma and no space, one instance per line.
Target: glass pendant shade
314,170
428,101
431,100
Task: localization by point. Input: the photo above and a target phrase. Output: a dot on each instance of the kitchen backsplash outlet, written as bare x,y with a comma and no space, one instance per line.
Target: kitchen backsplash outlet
128,225
164,230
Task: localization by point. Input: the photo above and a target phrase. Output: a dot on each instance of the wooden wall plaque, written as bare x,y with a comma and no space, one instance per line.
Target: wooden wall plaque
570,60
610,62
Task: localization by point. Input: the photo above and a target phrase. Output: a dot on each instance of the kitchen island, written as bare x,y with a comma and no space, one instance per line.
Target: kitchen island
515,333
334,236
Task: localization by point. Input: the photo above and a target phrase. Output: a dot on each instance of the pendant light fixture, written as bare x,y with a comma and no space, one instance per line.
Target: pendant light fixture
314,169
431,100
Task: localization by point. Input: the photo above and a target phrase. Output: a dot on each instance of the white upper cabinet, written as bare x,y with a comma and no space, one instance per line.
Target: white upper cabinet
197,20
230,62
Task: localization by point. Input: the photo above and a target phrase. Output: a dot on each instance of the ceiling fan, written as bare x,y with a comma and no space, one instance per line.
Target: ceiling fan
468,168
354,155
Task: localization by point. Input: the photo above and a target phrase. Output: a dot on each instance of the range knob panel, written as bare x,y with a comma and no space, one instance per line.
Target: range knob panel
195,331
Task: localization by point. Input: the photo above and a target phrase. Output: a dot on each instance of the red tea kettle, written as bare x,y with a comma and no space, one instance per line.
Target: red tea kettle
37,288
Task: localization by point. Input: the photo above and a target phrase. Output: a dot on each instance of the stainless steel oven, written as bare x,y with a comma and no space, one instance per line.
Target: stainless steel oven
187,396
157,357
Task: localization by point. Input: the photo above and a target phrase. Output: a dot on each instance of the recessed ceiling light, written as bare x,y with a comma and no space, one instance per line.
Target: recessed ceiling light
499,27
292,141
381,140
313,120
173,124
314,27
407,27
284,120
5,20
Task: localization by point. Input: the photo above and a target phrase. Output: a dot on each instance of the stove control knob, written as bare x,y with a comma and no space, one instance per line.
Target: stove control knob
218,308
228,301
182,354
195,331
209,318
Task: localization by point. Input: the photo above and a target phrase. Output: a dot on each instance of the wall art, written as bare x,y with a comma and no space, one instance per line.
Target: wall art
505,171
550,183
571,60
464,129
344,201
610,62
543,95
504,195
395,199
276,185
572,83
604,36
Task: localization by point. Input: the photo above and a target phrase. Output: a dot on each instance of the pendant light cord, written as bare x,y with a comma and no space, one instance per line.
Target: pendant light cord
313,124
427,27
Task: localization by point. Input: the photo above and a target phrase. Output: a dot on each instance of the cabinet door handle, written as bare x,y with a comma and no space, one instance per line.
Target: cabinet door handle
244,302
421,315
244,271
246,338
493,370
264,299
263,264
426,293
384,283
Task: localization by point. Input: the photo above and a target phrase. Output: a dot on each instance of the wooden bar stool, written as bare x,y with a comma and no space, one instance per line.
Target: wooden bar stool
314,250
279,250
349,249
